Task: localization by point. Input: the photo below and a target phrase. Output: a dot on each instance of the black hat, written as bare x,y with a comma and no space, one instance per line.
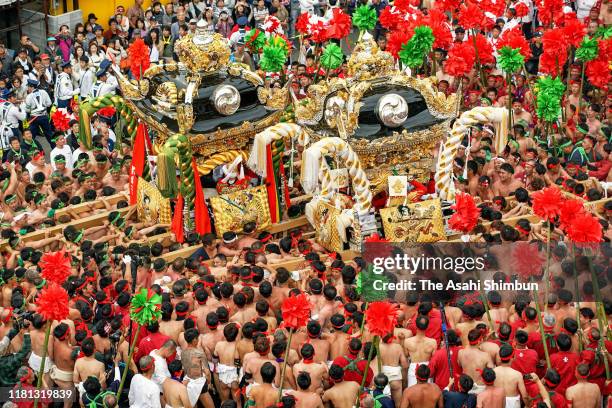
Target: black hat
90,16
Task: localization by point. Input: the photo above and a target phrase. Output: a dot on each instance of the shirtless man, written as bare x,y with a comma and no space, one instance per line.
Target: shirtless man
583,394
305,398
520,114
265,394
61,372
321,346
229,247
253,365
510,379
196,370
419,348
167,326
38,340
422,394
491,396
506,183
203,306
394,364
328,305
250,232
338,338
115,179
226,353
472,360
499,314
87,366
175,392
210,339
316,370
342,393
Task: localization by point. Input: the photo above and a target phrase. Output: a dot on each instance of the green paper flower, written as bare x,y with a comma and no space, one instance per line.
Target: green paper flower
364,18
510,59
331,57
273,58
278,41
146,307
588,49
368,282
604,32
549,95
255,40
413,52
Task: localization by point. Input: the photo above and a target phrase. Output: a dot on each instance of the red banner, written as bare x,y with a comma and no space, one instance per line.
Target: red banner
177,219
202,220
138,161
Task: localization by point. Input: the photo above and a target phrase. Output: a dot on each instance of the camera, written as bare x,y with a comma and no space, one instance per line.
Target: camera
22,318
115,337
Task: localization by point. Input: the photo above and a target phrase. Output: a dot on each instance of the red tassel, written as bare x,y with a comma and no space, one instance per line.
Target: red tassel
177,219
202,220
138,161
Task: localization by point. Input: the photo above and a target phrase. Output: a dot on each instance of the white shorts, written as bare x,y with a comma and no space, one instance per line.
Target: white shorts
194,389
393,373
513,402
35,360
412,380
227,374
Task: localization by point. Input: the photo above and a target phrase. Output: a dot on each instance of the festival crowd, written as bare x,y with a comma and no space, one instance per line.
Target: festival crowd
221,340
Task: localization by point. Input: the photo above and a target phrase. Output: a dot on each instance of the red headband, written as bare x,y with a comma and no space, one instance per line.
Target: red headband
26,377
507,358
584,377
8,316
521,229
148,366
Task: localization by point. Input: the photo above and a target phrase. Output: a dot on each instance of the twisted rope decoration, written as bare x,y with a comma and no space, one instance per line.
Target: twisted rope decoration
280,131
218,159
314,168
444,168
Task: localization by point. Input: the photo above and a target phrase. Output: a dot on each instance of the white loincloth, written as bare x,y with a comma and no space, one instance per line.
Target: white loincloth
57,374
393,373
35,361
412,380
477,389
194,389
80,388
513,402
227,374
211,366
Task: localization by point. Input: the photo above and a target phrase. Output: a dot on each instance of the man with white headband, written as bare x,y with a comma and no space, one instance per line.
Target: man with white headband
229,247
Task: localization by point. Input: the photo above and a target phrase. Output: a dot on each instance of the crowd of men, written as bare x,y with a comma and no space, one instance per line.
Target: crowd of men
220,341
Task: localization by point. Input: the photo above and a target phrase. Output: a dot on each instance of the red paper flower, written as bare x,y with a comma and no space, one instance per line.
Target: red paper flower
406,5
301,25
466,213
547,203
549,11
527,260
515,39
574,31
340,25
52,303
317,29
438,22
139,57
60,120
107,112
598,72
396,40
381,318
551,62
296,311
471,17
460,59
521,10
391,18
584,230
485,50
554,40
569,209
55,266
447,5
495,7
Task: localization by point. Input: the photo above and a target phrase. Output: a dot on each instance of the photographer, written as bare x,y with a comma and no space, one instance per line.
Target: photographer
9,364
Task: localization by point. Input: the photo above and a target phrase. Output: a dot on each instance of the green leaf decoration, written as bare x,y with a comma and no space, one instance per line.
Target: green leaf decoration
273,58
255,40
549,94
588,50
365,285
604,32
332,56
412,54
364,18
278,41
510,59
146,307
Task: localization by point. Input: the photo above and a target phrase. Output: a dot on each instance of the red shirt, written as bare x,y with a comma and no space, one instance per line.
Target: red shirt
565,363
438,366
534,342
152,342
526,361
354,375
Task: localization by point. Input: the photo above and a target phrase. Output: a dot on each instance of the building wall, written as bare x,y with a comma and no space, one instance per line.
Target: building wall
103,9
